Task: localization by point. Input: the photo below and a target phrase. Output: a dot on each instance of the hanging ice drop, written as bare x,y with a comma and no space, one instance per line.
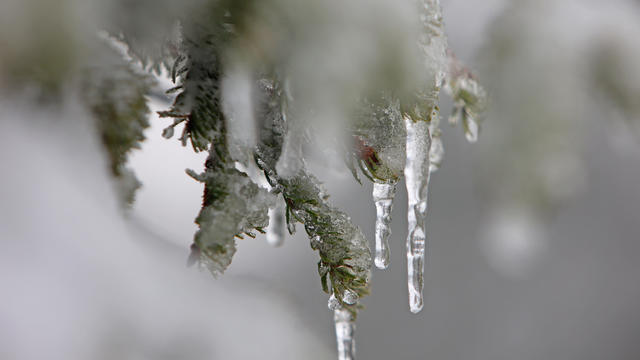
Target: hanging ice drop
345,329
333,303
383,194
349,297
416,174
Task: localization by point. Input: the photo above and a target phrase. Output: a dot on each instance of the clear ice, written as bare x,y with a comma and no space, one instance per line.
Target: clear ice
416,174
345,329
276,229
333,303
349,297
383,194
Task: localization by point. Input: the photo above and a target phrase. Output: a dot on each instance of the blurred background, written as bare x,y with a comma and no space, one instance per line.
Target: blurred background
533,230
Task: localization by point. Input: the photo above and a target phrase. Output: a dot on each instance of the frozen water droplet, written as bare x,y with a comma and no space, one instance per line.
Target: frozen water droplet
333,303
167,133
345,329
275,231
349,297
416,174
383,194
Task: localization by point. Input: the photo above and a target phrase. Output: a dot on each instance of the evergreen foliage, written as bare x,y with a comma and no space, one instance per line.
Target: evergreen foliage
116,95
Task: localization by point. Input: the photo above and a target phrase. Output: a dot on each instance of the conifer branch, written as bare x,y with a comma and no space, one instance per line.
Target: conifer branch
345,257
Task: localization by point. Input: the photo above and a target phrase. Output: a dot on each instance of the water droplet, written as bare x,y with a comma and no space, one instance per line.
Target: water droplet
167,133
349,297
291,226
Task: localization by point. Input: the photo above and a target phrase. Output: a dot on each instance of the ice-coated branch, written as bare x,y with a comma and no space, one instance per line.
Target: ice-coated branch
115,94
198,71
366,72
233,205
344,254
395,133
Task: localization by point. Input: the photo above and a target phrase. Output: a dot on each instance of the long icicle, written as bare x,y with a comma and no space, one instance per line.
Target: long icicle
345,329
416,174
383,194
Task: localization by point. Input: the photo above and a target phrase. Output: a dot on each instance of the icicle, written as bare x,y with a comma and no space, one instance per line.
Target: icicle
345,329
344,323
276,229
416,174
383,194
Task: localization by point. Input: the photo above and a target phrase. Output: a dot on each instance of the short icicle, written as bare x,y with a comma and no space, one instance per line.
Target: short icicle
436,150
345,329
416,174
383,194
276,229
